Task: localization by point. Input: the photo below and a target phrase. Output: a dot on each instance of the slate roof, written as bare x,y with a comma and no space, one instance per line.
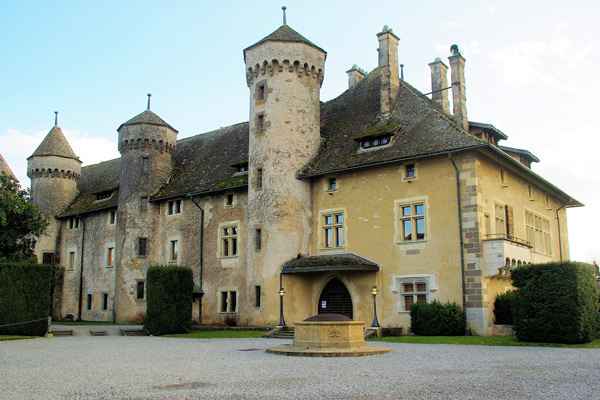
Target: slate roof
522,152
325,263
55,144
207,163
285,34
5,168
491,129
147,118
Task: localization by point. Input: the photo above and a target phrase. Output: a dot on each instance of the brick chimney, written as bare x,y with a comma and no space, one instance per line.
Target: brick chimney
388,62
355,75
439,85
459,98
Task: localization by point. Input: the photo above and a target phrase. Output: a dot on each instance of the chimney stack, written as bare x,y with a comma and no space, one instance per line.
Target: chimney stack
388,62
439,85
355,75
459,98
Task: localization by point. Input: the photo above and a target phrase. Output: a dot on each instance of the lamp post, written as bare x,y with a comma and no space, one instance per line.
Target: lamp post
281,294
375,323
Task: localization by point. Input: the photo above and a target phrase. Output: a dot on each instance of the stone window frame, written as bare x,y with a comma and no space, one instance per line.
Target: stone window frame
260,92
112,217
174,207
89,306
109,260
233,200
72,259
399,219
258,239
232,239
332,184
546,235
140,247
220,303
335,226
398,289
405,176
137,290
259,179
502,176
173,250
258,296
499,218
105,301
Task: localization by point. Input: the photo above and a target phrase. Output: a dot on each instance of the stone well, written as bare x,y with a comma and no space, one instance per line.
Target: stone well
328,335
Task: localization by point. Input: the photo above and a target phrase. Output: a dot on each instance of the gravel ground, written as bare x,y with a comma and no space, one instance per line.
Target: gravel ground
165,368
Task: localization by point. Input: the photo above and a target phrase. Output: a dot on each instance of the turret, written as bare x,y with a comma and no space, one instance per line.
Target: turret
284,73
146,144
54,169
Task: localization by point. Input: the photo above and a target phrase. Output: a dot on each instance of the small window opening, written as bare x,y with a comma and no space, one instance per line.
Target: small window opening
258,239
332,184
173,250
112,219
142,246
229,200
145,165
104,301
89,301
257,296
140,290
375,141
259,179
410,171
260,123
260,91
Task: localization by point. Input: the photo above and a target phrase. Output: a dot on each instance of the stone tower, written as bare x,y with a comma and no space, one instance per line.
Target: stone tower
284,73
54,169
146,144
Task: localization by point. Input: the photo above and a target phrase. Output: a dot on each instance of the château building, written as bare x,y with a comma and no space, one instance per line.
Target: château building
310,203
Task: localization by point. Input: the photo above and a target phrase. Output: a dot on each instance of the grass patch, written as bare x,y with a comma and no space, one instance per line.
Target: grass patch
224,334
4,338
74,323
481,341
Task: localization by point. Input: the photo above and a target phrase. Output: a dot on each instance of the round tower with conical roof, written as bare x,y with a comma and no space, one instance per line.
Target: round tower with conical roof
54,170
146,144
284,72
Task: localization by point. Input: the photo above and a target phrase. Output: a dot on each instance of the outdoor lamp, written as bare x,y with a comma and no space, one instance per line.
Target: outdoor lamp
375,323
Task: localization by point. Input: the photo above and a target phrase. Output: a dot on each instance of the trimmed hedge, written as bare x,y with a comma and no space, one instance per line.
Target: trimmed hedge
437,319
168,300
556,302
25,295
503,314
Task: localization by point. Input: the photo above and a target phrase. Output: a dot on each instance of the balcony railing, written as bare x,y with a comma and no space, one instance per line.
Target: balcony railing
510,238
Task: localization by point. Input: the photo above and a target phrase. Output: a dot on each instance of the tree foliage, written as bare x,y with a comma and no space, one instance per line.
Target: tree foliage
20,221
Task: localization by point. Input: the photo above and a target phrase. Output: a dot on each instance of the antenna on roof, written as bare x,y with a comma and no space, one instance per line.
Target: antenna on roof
401,71
149,95
55,118
284,16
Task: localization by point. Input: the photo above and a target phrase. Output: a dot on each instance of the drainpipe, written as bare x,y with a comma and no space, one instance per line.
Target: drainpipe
460,229
80,305
560,249
200,256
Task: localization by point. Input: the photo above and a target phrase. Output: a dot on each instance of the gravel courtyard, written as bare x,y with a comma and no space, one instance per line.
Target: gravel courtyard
163,368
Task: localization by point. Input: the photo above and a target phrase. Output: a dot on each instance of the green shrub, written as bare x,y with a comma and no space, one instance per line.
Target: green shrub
25,295
556,302
168,300
437,319
503,314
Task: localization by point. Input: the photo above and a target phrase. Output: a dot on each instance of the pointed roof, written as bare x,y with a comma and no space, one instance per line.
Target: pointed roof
55,144
147,118
285,34
5,168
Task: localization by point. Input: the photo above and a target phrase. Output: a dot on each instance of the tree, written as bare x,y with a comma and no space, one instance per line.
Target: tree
20,221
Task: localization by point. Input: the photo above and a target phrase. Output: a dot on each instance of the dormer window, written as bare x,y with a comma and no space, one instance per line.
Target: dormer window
104,195
378,141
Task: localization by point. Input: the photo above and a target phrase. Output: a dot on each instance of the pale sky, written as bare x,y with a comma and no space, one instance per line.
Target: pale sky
531,71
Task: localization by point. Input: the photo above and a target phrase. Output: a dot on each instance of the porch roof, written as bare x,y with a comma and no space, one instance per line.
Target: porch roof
326,263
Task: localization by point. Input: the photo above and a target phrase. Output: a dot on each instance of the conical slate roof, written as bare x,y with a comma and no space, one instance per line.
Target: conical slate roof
55,144
5,168
285,34
147,118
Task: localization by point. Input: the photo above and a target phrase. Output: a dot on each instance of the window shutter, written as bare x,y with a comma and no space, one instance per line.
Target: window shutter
509,221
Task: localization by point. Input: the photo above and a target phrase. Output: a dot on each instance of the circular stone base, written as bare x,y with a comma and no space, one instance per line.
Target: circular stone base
290,350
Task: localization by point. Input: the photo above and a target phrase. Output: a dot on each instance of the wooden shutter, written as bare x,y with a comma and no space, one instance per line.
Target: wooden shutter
510,223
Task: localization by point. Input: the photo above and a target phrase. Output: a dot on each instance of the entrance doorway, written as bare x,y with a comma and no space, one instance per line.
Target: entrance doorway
335,299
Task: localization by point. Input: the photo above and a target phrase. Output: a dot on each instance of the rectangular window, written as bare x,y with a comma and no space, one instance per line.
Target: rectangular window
410,171
140,290
142,247
229,200
71,223
260,91
174,207
375,141
538,233
260,123
145,165
331,184
413,291
173,250
228,301
500,220
112,219
109,256
502,177
144,203
104,301
71,259
257,295
333,230
48,258
258,239
89,301
530,192
412,221
77,223
259,179
229,240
